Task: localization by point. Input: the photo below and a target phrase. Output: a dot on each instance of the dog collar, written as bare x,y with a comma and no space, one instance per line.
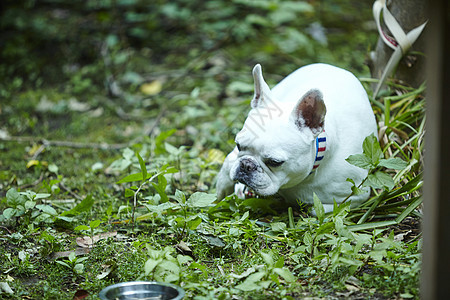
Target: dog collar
321,146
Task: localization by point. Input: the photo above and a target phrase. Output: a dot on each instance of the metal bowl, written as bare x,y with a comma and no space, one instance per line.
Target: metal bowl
142,290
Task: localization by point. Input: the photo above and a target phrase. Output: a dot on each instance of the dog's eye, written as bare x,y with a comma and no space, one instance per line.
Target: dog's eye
238,146
273,162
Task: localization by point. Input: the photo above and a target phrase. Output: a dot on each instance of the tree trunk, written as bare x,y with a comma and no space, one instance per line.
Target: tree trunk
411,69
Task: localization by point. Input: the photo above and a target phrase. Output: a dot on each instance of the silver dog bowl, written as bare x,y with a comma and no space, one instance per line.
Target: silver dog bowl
142,290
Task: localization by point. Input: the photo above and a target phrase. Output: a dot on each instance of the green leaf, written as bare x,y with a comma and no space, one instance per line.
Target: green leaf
142,164
84,206
180,197
371,225
325,228
47,209
172,149
41,196
262,204
9,213
13,198
285,274
170,266
372,149
341,229
268,258
278,226
150,265
129,193
393,163
29,204
66,219
81,259
279,263
82,227
244,216
94,224
72,256
159,141
307,238
160,188
63,264
200,199
361,161
409,209
380,180
250,283
193,224
318,209
131,178
79,268
215,241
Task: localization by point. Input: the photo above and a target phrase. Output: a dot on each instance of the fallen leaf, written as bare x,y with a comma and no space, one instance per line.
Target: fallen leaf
78,251
87,242
32,162
107,269
105,273
75,105
4,134
4,286
35,148
80,294
183,248
245,274
152,88
401,236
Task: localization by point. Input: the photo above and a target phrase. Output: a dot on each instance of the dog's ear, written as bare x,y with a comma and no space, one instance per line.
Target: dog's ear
262,90
310,112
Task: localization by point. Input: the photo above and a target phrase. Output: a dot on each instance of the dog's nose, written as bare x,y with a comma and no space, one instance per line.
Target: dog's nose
248,165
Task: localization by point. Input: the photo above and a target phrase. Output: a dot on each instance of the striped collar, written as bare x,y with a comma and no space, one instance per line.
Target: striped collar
321,146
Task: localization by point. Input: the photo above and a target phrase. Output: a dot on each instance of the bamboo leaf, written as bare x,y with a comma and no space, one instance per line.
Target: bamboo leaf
142,165
409,209
370,225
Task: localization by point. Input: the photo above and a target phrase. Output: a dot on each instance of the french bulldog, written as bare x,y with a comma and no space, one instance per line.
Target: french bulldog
297,136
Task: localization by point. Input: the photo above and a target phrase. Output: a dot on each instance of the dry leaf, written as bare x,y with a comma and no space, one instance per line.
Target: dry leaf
152,88
108,269
80,294
87,242
183,248
78,251
4,286
32,162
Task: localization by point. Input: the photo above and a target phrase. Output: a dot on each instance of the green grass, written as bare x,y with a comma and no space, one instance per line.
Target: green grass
82,157
235,247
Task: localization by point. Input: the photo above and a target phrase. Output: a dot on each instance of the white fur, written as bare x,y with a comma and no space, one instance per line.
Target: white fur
270,130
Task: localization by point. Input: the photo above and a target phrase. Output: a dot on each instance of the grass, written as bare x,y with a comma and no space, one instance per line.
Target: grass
125,181
233,248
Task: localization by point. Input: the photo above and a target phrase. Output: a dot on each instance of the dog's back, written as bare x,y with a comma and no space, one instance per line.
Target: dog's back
349,119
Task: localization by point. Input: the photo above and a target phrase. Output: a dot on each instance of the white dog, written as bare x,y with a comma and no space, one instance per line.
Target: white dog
297,136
